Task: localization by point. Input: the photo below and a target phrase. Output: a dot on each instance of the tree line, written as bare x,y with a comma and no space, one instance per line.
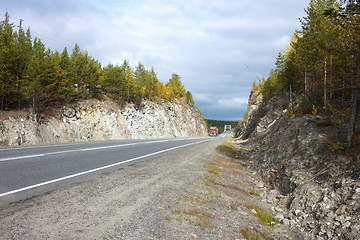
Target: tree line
320,69
32,75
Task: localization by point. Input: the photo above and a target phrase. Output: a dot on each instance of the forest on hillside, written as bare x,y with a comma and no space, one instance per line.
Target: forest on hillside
319,71
39,78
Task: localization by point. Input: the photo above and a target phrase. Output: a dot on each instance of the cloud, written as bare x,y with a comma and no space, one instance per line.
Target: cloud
217,47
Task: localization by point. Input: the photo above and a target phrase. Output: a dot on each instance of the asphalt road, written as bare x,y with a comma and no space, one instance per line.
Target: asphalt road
29,171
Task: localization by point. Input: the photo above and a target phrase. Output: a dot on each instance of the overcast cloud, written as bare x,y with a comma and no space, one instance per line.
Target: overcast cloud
218,47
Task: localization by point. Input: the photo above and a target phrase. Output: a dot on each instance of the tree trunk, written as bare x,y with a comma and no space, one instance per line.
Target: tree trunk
325,73
352,121
330,81
305,86
2,103
291,100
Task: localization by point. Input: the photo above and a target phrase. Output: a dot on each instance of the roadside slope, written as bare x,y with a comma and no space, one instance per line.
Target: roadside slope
310,177
94,120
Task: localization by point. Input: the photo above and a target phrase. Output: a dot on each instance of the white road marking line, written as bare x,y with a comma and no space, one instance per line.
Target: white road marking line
95,169
78,143
159,141
21,157
106,147
86,149
45,146
67,151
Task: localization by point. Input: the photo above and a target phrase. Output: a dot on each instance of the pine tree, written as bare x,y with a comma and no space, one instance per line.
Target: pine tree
24,47
8,63
65,65
114,83
130,81
85,73
35,75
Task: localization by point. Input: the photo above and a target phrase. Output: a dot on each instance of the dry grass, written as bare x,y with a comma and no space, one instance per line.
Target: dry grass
190,209
226,188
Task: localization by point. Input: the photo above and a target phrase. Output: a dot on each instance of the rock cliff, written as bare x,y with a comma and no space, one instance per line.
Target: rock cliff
94,120
317,190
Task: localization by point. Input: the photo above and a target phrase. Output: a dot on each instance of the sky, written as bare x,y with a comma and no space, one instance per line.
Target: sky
218,47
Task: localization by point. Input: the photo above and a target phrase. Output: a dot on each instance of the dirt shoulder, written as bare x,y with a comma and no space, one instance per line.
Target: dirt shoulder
189,193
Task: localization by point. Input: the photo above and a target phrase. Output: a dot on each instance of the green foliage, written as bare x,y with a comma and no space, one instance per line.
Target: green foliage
266,218
246,116
178,88
190,99
319,70
114,82
336,147
213,169
31,75
270,87
8,60
254,193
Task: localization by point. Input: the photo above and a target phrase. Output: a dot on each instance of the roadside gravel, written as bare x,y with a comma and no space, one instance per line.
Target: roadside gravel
189,193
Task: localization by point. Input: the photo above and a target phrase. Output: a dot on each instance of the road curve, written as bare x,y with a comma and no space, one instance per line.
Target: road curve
28,171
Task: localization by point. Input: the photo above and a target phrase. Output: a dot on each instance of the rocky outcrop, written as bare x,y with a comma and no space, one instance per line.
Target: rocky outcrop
316,189
94,120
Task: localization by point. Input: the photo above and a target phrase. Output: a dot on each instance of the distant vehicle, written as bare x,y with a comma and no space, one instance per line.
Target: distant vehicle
213,131
227,128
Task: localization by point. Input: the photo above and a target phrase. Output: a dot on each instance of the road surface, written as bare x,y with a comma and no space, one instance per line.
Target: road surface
29,171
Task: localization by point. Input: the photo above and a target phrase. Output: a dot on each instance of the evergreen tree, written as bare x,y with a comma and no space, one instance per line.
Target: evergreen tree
8,63
190,99
65,65
140,80
130,81
114,83
35,74
178,89
85,73
24,47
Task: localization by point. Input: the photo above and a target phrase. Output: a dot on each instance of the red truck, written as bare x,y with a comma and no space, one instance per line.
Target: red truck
213,131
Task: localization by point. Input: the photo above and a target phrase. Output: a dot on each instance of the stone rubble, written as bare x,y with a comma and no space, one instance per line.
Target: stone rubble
315,190
94,120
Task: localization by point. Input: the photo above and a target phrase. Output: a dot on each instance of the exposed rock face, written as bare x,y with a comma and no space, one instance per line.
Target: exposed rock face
94,120
317,189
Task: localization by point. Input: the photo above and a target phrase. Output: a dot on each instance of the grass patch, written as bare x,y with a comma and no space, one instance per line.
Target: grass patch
254,193
228,149
251,235
213,169
209,181
183,198
190,208
264,217
233,206
194,215
227,163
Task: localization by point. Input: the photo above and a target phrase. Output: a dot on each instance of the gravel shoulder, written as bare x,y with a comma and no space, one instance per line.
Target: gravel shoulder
190,193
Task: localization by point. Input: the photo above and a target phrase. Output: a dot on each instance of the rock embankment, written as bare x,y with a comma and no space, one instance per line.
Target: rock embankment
316,189
94,120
